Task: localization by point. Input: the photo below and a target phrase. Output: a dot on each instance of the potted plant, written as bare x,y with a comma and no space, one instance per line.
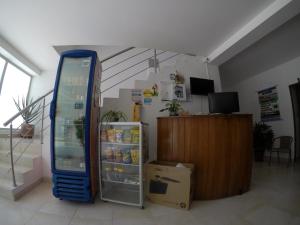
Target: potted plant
113,116
79,124
262,139
173,107
29,115
110,116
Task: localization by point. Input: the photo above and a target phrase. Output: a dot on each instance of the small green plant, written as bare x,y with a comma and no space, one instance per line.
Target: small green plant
262,139
30,114
113,116
79,124
173,107
262,135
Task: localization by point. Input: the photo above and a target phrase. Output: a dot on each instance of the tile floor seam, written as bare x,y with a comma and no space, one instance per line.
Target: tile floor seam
272,200
73,216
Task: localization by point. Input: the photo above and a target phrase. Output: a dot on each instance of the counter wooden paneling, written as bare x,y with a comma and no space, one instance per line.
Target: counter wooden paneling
220,146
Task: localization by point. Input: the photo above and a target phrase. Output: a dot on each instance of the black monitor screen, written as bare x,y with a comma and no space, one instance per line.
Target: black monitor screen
223,102
201,86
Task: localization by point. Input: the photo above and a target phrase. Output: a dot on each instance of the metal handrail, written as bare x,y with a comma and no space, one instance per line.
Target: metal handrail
116,54
124,60
127,68
133,75
26,108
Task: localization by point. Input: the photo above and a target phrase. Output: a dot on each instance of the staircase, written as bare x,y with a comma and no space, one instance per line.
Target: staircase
21,158
28,168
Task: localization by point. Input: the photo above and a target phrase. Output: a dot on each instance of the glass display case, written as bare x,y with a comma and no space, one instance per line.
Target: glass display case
123,152
73,113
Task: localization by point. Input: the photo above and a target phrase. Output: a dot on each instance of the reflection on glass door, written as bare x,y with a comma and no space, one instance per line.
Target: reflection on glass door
69,138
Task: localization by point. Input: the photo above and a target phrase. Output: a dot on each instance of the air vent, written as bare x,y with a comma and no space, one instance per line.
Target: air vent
73,188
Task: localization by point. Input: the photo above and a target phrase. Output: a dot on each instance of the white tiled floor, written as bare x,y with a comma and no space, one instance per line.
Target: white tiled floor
274,199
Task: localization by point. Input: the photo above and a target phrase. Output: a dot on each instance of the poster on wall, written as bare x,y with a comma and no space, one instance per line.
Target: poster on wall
147,101
170,90
179,92
166,91
269,106
147,94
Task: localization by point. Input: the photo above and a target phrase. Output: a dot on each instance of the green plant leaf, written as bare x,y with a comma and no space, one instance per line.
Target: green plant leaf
32,112
112,116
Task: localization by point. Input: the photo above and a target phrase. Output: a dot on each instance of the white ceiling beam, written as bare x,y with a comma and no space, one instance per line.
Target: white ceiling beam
17,58
269,19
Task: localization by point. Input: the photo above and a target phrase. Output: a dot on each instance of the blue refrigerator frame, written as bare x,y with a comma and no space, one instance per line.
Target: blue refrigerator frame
73,185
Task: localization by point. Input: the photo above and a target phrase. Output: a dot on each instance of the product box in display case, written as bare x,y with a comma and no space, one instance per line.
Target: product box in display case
169,184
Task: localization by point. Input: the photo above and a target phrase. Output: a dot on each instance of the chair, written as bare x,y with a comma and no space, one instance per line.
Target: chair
282,144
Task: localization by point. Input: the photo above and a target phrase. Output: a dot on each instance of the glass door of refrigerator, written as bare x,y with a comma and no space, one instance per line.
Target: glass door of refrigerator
69,140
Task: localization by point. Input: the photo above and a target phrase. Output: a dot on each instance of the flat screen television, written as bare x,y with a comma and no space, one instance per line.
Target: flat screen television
201,86
223,102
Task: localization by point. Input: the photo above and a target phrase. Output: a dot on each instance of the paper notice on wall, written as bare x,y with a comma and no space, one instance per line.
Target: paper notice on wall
136,95
147,101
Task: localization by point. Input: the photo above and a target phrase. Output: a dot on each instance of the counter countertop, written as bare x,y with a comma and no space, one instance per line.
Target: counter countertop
207,115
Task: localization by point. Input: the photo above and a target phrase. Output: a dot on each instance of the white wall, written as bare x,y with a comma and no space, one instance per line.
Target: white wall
39,86
282,76
185,65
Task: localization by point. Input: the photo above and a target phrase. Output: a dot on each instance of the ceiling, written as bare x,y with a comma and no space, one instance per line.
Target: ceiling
277,47
202,27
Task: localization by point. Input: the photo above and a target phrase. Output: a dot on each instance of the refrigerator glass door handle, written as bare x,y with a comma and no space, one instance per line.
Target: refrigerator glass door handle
51,113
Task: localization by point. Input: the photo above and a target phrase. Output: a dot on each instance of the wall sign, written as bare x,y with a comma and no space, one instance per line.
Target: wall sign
136,95
170,90
269,106
166,90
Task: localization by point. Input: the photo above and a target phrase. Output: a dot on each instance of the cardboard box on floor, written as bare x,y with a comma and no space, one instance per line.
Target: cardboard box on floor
169,185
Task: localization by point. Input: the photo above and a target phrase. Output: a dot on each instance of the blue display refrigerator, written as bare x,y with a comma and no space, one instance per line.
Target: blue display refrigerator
74,115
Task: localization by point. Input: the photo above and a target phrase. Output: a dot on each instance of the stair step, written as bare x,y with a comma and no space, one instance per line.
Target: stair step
26,178
33,148
7,189
21,169
22,142
25,159
6,173
6,152
6,184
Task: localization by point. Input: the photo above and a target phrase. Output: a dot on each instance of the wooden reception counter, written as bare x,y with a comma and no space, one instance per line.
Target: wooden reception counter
220,146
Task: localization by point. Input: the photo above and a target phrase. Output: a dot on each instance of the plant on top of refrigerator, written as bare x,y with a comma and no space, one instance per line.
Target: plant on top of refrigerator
29,115
113,116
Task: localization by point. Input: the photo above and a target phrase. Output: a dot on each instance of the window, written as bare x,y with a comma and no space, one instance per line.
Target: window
2,63
14,83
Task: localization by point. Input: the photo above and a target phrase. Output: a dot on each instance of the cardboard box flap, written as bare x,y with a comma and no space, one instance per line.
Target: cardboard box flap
171,165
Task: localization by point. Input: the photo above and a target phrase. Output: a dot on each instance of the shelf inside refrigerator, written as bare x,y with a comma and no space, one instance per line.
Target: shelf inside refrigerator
120,173
121,193
70,164
116,163
121,154
121,182
120,143
74,143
